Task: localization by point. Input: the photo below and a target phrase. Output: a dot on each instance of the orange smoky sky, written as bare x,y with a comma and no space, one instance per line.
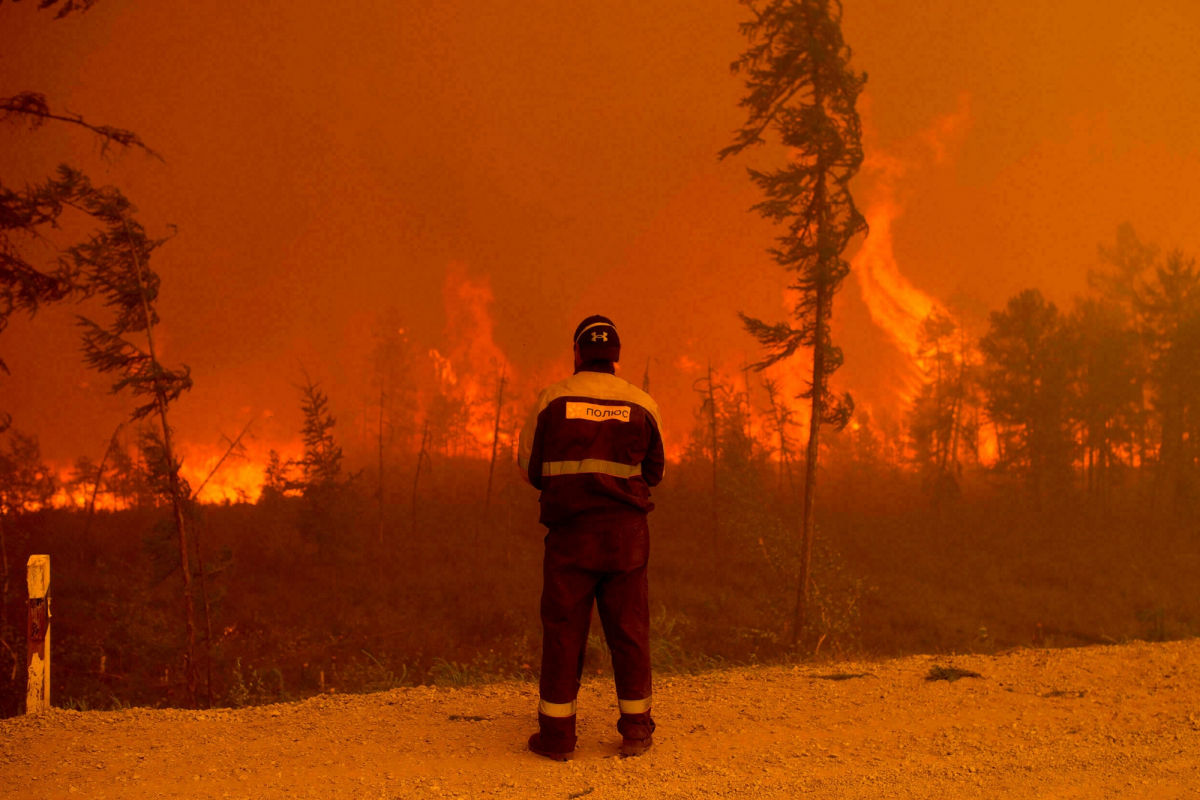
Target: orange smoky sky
324,162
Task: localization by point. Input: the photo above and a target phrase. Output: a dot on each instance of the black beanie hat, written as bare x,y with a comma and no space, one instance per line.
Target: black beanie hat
597,339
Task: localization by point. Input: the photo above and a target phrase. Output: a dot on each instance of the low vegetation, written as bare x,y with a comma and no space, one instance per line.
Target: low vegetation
294,611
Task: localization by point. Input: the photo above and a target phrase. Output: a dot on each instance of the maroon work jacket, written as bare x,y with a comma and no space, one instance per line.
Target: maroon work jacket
593,444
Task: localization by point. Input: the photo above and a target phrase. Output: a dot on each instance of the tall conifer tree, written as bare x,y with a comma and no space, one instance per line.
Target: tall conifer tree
801,87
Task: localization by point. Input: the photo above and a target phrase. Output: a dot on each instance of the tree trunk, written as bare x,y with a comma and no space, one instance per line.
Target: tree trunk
3,581
91,509
208,633
821,312
747,426
189,609
712,417
807,526
379,516
422,457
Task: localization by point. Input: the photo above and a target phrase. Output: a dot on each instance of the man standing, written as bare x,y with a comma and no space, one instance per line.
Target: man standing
593,446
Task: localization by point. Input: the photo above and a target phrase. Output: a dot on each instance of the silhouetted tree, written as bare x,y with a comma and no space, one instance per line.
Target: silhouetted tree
1118,281
28,213
719,434
423,461
24,286
865,447
127,480
391,362
1107,395
115,264
277,478
1170,309
708,390
321,465
448,418
322,485
800,84
500,384
84,481
721,442
26,483
1028,361
935,418
1123,268
780,421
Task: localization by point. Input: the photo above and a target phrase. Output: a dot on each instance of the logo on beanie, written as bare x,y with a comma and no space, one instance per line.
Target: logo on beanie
599,336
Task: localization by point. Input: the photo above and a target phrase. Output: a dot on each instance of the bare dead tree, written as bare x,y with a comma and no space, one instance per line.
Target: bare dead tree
91,508
487,503
780,419
235,445
422,459
708,406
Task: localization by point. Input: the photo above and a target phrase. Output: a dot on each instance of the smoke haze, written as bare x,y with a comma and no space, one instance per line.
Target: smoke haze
539,162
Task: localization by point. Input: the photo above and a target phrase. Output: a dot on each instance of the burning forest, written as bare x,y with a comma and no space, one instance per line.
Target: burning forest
928,376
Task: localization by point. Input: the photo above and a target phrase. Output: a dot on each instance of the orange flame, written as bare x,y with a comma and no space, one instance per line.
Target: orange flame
239,478
470,370
894,303
242,475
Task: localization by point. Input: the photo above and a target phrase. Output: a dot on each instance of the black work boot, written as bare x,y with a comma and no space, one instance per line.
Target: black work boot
555,738
636,733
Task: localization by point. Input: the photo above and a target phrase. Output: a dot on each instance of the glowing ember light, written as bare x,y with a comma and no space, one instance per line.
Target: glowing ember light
240,478
989,448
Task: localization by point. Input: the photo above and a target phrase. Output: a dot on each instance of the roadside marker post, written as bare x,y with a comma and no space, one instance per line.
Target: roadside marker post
37,634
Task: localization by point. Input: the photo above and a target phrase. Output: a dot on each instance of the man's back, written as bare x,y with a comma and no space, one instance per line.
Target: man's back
593,444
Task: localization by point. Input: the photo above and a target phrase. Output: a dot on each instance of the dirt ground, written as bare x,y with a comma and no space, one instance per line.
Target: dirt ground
1120,721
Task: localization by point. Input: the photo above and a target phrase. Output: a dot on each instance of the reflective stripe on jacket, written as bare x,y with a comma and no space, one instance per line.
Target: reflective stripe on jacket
592,443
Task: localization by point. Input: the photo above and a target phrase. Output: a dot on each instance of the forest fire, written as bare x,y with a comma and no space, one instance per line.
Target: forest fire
238,476
361,239
471,379
215,475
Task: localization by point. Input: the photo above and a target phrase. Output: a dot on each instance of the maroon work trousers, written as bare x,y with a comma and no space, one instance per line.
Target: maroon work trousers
599,558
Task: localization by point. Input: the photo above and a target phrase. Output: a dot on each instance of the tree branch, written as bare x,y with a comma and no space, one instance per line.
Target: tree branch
34,106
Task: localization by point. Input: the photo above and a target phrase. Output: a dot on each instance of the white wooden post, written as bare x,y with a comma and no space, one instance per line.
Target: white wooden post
37,576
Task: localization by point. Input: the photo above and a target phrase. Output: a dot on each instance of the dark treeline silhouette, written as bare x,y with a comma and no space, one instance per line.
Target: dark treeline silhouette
300,597
1038,489
1101,396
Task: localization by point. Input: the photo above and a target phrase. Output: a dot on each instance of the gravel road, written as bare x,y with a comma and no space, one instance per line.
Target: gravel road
1120,721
